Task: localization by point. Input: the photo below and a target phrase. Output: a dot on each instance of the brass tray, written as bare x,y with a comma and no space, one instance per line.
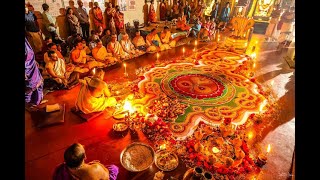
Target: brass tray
166,160
137,157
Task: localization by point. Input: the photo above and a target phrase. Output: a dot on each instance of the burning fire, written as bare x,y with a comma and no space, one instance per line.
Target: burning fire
269,148
162,146
215,150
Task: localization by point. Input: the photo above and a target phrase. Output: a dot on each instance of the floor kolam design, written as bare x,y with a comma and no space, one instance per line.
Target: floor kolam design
211,91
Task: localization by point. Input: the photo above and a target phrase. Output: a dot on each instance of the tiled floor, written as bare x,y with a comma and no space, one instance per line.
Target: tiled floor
44,148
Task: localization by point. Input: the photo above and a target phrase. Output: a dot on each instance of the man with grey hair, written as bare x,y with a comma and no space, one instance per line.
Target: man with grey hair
84,19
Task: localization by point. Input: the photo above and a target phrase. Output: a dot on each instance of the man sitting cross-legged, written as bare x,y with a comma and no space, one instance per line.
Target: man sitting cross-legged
61,73
154,43
81,60
116,49
101,54
166,38
128,47
139,42
94,94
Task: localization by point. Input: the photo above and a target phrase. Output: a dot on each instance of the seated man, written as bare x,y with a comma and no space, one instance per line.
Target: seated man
153,42
85,47
81,60
100,54
52,47
115,48
63,75
94,95
182,23
195,29
139,42
128,47
106,38
74,166
166,38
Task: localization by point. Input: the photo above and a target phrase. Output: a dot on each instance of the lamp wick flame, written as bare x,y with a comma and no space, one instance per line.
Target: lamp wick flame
269,148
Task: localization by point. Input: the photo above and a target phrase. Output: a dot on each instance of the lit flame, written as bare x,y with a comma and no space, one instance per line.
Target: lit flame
183,49
253,55
196,43
128,107
250,135
254,65
271,82
117,92
162,146
215,150
94,71
124,64
158,55
269,148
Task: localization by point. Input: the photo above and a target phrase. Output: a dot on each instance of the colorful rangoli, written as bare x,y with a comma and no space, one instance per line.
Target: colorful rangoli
211,90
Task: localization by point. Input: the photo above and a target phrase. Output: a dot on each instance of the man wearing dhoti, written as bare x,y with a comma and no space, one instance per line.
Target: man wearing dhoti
166,38
153,42
139,42
81,60
94,94
60,72
101,54
128,47
116,49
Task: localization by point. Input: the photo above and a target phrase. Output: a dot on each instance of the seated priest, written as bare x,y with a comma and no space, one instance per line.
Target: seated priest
61,73
139,42
116,49
81,60
94,94
167,39
153,42
128,47
101,54
74,166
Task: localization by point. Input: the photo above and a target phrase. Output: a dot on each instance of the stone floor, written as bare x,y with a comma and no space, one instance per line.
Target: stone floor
44,147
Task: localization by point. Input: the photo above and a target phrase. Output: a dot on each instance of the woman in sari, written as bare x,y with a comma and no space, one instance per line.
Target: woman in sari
119,19
74,23
163,11
97,16
153,42
152,13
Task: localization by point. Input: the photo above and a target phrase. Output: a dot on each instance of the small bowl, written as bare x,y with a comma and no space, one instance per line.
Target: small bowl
120,127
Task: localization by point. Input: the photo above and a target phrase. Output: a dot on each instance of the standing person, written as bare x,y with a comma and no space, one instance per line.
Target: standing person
33,80
48,21
271,29
163,11
119,19
97,16
84,19
215,9
152,13
91,17
62,23
33,32
74,23
187,11
75,167
286,25
224,16
110,12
